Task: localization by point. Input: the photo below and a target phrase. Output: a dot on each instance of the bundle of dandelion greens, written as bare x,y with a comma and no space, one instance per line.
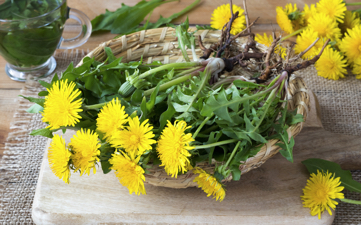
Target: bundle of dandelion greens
327,19
131,116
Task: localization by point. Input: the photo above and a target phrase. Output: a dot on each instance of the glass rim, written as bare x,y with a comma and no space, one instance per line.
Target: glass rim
33,18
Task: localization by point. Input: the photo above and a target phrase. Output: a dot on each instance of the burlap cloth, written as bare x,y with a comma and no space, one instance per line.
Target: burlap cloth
340,104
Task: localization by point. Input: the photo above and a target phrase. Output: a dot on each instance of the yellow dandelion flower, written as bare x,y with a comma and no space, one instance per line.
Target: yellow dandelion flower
304,40
173,148
335,9
325,26
222,15
309,11
111,118
284,20
60,107
129,173
209,184
320,191
351,44
85,146
331,64
267,41
350,21
356,69
58,157
135,138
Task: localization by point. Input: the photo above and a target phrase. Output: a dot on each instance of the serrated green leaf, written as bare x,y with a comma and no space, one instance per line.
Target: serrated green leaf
128,20
109,52
150,104
249,126
39,101
287,145
143,108
70,76
257,137
106,166
245,84
35,109
213,138
314,164
92,84
137,97
42,132
44,84
236,173
43,93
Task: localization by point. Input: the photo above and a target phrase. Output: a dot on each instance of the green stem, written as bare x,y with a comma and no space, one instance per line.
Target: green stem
206,75
182,46
169,84
215,144
96,106
353,3
250,105
185,72
268,104
231,157
201,126
293,34
169,66
350,201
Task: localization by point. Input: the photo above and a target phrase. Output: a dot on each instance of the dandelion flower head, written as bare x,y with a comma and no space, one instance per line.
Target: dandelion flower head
59,156
309,11
331,64
325,26
209,184
111,118
173,148
304,40
135,139
85,146
320,192
350,21
287,24
351,44
129,173
333,8
267,41
222,15
61,107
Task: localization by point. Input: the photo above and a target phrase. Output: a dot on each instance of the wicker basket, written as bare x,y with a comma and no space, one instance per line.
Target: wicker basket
161,45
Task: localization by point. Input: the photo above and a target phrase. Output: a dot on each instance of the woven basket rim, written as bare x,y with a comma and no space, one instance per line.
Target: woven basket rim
143,40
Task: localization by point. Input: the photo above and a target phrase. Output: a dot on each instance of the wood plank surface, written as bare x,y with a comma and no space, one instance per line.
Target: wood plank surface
267,195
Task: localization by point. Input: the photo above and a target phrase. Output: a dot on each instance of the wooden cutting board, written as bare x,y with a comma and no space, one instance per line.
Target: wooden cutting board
267,195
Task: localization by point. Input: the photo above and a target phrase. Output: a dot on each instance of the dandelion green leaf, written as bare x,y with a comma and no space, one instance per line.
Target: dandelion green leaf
35,109
315,164
42,132
39,101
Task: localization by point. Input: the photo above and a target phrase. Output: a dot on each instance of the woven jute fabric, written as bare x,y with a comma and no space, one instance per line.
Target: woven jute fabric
20,165
23,154
340,101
